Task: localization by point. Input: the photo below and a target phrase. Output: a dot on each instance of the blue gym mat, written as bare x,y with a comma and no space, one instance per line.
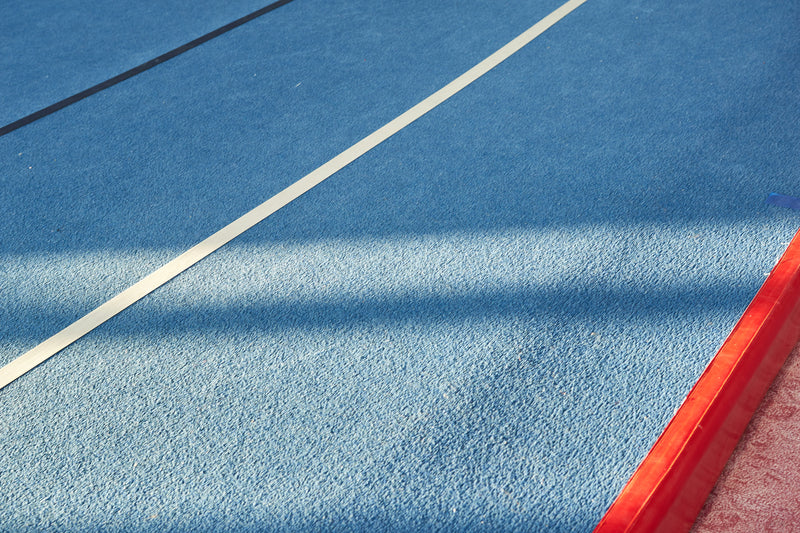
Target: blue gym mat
50,51
482,324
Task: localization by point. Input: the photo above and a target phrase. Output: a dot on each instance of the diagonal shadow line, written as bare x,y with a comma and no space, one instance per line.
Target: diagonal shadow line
49,110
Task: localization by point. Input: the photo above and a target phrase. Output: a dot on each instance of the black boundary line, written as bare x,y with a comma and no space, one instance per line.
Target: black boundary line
36,115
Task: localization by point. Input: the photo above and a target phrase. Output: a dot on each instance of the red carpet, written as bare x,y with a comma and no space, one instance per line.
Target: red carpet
759,490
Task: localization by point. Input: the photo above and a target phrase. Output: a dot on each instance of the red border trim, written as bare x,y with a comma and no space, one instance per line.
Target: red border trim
671,485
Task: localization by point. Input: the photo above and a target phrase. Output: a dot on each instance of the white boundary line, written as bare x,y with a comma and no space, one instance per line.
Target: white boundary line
129,296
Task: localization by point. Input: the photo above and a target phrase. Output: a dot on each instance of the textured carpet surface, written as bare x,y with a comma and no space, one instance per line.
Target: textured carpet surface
482,324
758,490
52,50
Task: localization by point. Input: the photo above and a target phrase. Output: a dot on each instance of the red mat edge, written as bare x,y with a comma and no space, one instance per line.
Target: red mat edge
670,486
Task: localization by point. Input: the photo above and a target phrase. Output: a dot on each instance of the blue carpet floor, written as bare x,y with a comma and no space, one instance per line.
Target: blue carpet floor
50,51
482,324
